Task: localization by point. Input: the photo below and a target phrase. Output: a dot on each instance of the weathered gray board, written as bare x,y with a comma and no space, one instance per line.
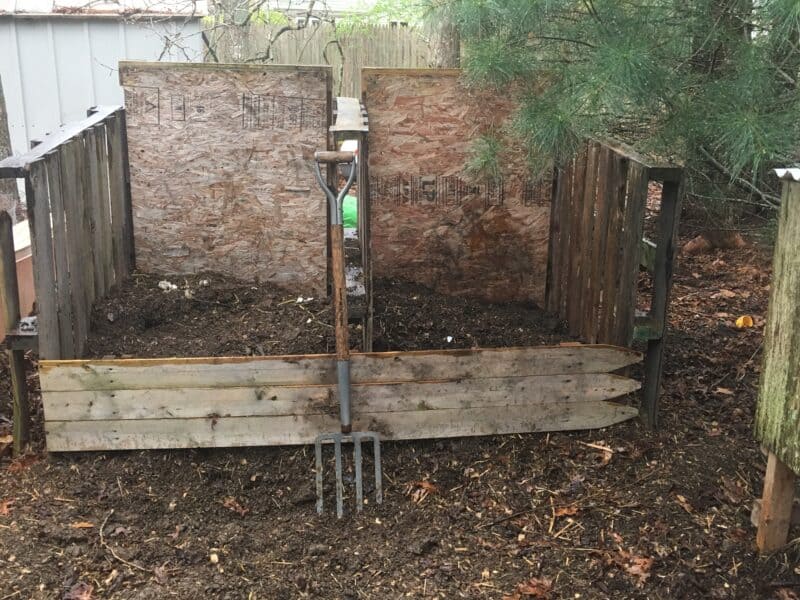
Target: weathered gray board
261,401
220,160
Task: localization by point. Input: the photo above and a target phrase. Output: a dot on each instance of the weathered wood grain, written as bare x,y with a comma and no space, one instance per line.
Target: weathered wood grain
389,367
67,436
431,222
220,162
121,225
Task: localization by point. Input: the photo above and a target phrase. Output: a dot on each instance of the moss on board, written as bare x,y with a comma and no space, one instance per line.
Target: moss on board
777,422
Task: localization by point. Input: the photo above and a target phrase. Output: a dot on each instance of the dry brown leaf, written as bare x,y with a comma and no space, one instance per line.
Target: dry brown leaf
566,511
684,503
639,567
723,293
744,322
533,588
22,463
82,525
724,391
786,594
231,504
419,490
5,507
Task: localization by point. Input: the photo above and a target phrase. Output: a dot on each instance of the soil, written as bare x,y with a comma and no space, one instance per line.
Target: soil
658,515
215,315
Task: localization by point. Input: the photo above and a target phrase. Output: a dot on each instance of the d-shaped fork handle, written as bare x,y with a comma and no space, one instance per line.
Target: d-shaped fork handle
332,157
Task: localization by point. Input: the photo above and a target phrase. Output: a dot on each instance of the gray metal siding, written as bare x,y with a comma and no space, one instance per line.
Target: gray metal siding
53,68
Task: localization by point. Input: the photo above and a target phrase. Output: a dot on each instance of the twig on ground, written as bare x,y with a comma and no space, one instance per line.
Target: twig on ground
105,545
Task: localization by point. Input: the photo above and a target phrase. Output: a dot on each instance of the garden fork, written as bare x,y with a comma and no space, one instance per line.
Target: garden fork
342,351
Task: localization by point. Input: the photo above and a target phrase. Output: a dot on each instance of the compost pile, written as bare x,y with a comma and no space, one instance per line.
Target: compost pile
617,513
215,315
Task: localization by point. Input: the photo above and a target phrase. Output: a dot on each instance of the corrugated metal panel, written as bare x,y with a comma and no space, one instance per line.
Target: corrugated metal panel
54,68
110,7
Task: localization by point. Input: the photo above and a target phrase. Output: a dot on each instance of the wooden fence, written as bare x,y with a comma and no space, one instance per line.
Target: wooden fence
78,208
372,46
595,246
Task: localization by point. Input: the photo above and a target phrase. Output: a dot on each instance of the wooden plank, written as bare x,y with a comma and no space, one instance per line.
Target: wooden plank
61,255
119,219
666,250
586,231
553,274
630,257
83,179
9,304
595,297
66,436
565,235
576,252
615,242
437,365
74,230
104,215
127,202
38,204
184,403
94,213
658,171
776,506
18,166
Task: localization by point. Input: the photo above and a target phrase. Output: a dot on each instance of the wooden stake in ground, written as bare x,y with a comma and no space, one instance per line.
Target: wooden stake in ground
9,303
9,198
777,426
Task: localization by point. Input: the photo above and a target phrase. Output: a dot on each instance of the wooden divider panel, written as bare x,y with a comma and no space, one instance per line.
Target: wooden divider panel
221,169
431,222
184,403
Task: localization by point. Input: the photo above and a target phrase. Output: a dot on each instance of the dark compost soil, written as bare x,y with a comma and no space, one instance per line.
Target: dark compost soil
214,315
660,515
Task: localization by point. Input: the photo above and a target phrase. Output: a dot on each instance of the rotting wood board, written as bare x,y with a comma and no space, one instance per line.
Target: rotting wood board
178,403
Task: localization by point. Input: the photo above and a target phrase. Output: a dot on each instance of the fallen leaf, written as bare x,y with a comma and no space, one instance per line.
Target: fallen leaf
723,293
724,391
566,511
684,503
5,507
533,588
231,504
20,464
785,594
80,591
639,567
744,322
419,490
161,574
82,525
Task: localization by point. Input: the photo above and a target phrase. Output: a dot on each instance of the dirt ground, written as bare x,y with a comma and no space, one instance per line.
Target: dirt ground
662,515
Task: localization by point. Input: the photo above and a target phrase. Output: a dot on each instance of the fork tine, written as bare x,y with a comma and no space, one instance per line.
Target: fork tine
337,450
359,478
318,453
378,474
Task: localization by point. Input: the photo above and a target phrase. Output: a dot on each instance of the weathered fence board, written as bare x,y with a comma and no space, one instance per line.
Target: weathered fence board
178,403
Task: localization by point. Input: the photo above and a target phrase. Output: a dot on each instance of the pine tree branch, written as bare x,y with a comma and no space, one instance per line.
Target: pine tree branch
771,200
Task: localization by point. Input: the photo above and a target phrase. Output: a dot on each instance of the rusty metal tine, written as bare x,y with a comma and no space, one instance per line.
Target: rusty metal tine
337,451
359,479
318,452
378,474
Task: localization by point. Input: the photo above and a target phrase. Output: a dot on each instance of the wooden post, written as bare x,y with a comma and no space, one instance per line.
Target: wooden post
776,506
662,284
9,298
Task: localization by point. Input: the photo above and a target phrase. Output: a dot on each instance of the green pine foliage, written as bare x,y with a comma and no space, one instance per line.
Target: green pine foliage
710,83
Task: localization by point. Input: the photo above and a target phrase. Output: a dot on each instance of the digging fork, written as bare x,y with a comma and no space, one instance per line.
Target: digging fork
342,351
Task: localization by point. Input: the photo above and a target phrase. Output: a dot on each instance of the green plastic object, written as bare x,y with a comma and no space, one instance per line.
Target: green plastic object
350,211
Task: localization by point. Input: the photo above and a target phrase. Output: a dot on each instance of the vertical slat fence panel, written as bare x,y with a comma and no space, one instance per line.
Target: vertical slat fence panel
84,212
37,199
576,255
63,283
93,211
614,243
586,232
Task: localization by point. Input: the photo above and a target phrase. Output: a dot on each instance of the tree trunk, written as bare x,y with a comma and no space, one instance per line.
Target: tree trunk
9,199
446,45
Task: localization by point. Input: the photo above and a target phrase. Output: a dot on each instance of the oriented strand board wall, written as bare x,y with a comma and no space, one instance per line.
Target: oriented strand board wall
430,223
221,179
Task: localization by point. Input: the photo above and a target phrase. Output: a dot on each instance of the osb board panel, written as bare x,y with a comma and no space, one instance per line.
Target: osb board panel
430,222
220,161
